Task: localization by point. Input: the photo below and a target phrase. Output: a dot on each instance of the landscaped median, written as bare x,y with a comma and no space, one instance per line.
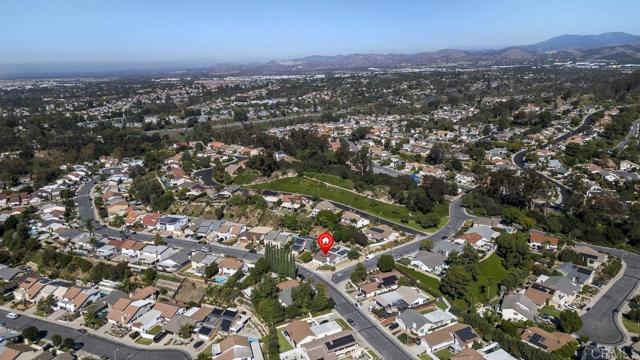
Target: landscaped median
391,212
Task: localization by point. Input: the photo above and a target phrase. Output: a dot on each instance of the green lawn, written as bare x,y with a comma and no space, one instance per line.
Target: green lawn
551,311
283,343
441,304
406,339
331,179
155,330
425,282
343,324
143,341
631,326
384,210
443,354
247,176
491,274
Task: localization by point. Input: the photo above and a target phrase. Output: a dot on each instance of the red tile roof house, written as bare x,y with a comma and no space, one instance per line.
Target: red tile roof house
151,220
473,239
539,240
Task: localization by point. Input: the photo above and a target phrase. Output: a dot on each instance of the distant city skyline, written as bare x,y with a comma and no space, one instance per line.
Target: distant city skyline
40,35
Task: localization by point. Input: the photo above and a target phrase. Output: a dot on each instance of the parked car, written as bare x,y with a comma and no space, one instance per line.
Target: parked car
198,344
393,326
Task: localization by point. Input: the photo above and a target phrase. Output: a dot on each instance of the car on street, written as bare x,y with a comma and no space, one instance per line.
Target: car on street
12,315
81,331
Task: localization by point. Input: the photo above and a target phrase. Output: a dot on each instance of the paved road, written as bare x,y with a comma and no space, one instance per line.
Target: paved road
96,345
600,323
633,132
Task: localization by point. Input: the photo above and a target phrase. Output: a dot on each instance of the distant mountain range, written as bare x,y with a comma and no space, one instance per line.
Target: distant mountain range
619,47
612,46
564,42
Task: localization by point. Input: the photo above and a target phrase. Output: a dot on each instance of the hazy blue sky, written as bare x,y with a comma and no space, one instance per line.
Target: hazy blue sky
160,31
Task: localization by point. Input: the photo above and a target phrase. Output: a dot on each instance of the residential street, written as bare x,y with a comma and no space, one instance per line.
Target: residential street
92,343
601,323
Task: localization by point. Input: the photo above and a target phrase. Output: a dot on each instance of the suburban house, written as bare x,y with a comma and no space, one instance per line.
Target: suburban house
324,205
125,311
540,293
593,258
441,338
230,265
353,219
236,347
76,298
565,292
518,307
200,260
402,298
578,274
172,223
298,332
420,324
380,283
338,345
545,340
429,262
381,233
539,240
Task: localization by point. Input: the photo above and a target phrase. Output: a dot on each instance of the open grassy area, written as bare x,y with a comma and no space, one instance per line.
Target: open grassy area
443,354
331,179
491,274
247,176
384,210
283,343
425,282
631,326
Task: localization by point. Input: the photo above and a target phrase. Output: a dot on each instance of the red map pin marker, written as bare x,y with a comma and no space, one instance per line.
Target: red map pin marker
325,242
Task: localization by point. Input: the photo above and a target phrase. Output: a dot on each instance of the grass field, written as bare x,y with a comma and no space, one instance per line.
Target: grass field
283,343
491,274
631,326
425,282
384,210
331,179
247,176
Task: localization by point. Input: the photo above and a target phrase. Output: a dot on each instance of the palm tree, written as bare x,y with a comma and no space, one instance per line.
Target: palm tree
89,226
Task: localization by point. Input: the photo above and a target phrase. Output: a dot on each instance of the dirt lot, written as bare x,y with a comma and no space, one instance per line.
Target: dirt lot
191,291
